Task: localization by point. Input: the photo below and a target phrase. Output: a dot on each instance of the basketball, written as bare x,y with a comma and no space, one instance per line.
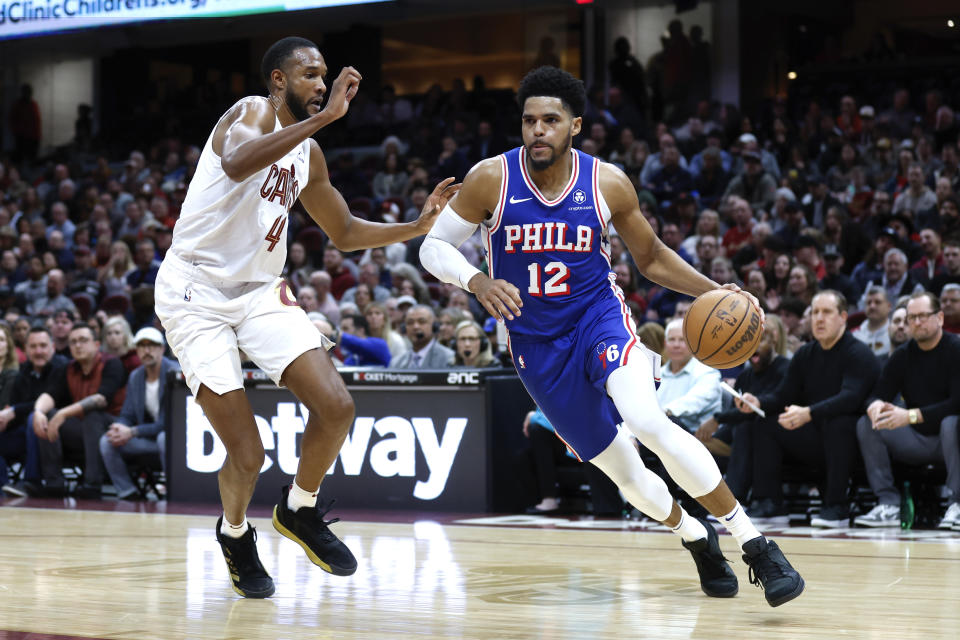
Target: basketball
722,328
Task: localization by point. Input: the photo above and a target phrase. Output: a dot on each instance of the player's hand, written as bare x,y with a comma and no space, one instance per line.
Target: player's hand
435,203
753,300
500,298
742,405
342,92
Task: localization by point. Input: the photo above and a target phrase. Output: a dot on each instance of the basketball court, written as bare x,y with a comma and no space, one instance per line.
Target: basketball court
154,571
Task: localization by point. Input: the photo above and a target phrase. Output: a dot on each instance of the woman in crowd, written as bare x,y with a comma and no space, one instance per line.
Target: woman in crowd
118,342
112,276
802,284
448,319
299,266
9,364
379,326
471,347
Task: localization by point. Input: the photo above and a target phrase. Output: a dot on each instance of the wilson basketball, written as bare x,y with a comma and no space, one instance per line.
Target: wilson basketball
722,328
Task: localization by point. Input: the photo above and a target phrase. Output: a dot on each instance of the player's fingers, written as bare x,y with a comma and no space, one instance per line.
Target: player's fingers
502,306
489,306
511,300
442,185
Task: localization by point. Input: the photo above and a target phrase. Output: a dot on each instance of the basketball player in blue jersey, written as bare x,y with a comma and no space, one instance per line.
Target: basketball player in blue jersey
545,210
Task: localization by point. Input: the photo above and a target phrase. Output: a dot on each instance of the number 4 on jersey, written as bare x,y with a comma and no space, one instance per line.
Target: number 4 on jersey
557,284
273,237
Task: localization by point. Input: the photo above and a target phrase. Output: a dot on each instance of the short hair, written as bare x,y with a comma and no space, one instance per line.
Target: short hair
897,252
276,56
676,323
874,289
83,325
934,300
841,299
554,83
359,322
952,286
39,328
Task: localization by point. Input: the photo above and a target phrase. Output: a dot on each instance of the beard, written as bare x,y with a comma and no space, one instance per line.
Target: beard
298,110
541,165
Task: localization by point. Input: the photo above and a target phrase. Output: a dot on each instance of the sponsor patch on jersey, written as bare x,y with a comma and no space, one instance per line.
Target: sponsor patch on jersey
579,196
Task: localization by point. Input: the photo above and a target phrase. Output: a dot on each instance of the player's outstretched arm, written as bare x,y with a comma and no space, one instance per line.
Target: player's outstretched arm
329,210
245,138
457,222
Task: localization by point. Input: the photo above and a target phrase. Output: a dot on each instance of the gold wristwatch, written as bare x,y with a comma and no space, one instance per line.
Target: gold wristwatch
912,414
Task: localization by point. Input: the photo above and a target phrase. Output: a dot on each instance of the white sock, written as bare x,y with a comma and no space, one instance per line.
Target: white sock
233,530
738,523
301,497
689,529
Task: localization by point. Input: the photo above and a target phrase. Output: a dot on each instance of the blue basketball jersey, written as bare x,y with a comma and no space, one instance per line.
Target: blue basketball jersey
555,251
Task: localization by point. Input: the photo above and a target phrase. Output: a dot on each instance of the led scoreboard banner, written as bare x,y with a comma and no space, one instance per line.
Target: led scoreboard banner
24,18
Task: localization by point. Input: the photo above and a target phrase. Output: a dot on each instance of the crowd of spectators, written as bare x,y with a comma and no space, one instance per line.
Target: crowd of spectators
855,195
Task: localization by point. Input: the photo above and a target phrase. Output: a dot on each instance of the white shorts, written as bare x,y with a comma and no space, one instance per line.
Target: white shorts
208,323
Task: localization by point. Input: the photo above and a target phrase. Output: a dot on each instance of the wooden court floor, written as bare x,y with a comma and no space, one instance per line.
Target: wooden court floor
68,573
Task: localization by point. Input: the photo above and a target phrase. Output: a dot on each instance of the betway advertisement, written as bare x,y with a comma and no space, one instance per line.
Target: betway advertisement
21,18
416,448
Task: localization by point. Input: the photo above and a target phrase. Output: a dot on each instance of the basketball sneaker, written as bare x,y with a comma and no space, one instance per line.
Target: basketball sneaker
951,519
770,571
249,577
882,515
306,527
717,579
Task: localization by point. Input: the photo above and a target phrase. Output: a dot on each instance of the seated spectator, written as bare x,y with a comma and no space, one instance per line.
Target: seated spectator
549,452
74,410
34,287
708,224
113,275
370,276
917,196
299,266
379,326
356,348
931,262
951,267
689,390
730,433
896,280
754,184
147,265
307,299
874,331
739,234
899,331
818,401
802,284
925,373
471,347
835,279
342,276
60,326
54,300
140,429
426,352
447,320
118,342
950,300
326,303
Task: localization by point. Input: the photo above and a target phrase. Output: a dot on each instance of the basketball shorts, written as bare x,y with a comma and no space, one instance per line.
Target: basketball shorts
208,323
567,376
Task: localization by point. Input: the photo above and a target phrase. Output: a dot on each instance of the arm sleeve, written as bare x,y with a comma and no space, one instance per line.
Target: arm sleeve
891,378
859,377
439,254
371,348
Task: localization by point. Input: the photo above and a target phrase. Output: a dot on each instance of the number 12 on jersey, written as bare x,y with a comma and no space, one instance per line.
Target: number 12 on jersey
556,285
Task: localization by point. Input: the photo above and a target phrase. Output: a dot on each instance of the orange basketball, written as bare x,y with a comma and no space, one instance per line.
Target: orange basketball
722,328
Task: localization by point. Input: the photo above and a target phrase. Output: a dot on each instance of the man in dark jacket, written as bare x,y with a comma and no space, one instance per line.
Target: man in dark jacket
15,439
140,429
821,398
74,411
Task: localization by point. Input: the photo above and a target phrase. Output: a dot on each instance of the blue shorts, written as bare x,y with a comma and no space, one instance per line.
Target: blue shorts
567,376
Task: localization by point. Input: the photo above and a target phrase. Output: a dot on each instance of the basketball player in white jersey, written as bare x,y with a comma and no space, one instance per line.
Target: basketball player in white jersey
219,291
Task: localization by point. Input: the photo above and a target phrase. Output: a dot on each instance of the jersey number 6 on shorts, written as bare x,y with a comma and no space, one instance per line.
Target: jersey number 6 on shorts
557,284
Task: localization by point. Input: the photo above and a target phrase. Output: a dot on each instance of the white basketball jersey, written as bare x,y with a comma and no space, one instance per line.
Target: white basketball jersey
237,231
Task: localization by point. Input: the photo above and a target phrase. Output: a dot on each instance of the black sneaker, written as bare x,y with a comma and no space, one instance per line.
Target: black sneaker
29,488
771,572
307,528
249,577
716,577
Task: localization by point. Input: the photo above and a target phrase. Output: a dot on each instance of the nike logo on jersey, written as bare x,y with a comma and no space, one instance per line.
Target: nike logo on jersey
514,200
